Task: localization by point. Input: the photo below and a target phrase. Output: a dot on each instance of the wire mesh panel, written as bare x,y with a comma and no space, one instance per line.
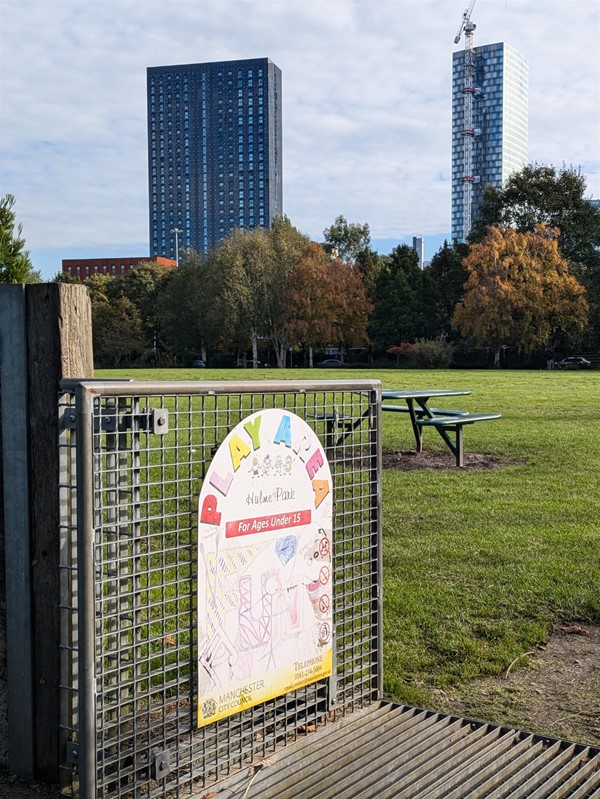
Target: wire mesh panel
135,457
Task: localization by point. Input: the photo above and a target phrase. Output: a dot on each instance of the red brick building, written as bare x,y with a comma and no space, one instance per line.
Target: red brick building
84,268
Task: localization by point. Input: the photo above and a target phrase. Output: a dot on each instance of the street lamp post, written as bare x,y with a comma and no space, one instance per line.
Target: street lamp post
176,231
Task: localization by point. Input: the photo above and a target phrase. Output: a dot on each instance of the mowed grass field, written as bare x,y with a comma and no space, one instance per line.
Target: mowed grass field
479,564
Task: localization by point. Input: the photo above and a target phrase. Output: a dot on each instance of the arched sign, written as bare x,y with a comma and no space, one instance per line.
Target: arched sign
265,605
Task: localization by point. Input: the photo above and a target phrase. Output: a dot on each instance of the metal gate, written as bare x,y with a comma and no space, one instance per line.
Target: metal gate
134,457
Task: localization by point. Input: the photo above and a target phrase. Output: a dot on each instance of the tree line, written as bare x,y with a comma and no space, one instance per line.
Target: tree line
259,294
527,283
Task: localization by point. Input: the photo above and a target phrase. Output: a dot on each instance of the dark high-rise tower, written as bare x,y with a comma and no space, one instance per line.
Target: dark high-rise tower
214,151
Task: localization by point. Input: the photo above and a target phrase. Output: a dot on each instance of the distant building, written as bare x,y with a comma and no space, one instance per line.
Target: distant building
418,246
214,151
84,268
496,77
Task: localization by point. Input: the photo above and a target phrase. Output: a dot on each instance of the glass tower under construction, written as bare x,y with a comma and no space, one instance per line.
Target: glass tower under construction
214,152
490,88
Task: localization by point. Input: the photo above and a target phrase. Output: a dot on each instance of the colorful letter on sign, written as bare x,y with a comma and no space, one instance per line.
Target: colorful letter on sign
265,609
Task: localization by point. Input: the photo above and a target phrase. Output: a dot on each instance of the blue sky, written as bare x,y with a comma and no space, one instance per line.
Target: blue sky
366,106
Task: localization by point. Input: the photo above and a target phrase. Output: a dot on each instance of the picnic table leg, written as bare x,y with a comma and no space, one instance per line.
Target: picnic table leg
455,448
348,427
460,461
413,420
330,435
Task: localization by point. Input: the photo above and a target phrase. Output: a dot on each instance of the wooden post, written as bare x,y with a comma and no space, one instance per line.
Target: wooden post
45,336
59,345
16,685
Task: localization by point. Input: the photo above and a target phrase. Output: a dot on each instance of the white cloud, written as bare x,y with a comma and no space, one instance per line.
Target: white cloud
366,97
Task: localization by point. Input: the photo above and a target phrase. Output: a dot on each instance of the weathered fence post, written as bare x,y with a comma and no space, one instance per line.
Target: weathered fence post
16,688
58,344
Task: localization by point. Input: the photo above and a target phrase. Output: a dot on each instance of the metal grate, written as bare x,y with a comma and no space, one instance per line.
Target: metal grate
134,457
394,752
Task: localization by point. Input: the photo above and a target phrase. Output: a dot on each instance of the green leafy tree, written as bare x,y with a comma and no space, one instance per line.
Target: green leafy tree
189,307
15,262
65,277
144,286
245,262
401,311
256,268
346,240
519,292
351,243
289,246
447,278
541,194
275,284
117,329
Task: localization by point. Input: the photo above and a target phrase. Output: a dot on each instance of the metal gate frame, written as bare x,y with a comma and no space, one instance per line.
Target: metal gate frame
133,457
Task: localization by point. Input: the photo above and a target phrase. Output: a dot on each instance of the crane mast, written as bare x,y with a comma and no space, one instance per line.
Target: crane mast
469,132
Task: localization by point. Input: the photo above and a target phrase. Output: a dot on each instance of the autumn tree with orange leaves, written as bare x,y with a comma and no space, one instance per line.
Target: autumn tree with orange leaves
519,292
327,302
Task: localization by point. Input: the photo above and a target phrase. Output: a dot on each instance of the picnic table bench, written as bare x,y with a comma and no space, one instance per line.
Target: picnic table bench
455,424
334,421
445,421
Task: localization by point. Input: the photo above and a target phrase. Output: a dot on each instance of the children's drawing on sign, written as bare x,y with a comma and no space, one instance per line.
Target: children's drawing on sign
265,591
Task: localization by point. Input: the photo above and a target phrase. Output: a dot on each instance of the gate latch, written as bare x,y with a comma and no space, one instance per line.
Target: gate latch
154,420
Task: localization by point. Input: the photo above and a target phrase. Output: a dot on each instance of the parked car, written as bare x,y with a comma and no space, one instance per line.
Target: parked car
198,364
330,362
574,362
248,363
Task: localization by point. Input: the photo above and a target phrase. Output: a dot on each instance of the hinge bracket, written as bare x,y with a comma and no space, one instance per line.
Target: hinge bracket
161,765
72,753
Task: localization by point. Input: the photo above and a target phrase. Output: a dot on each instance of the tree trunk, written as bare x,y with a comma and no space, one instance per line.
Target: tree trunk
254,351
310,357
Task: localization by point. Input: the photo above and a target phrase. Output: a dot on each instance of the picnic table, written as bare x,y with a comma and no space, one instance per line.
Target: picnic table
447,421
336,422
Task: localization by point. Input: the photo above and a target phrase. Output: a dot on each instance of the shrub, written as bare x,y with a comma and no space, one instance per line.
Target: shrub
430,353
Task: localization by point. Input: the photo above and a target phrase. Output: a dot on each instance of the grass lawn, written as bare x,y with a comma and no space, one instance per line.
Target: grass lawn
479,564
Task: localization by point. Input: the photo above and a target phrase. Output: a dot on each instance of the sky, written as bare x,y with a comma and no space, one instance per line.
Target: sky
366,107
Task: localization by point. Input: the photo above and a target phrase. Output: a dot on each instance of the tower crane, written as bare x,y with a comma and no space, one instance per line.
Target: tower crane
469,132
466,23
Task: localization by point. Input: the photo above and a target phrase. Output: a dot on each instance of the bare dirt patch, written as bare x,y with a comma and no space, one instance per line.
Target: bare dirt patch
554,690
12,787
410,460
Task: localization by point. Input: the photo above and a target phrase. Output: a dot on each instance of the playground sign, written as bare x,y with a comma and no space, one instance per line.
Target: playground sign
265,614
